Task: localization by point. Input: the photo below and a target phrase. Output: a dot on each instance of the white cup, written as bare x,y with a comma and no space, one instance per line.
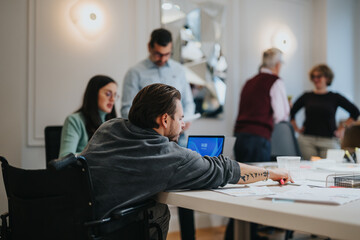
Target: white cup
357,153
335,154
290,163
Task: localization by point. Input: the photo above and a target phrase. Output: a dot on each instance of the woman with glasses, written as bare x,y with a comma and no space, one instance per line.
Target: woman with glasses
97,107
319,131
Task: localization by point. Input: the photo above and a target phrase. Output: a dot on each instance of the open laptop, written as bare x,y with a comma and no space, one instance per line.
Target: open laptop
206,145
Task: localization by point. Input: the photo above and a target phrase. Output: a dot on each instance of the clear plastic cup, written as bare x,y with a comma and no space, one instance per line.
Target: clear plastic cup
335,154
290,163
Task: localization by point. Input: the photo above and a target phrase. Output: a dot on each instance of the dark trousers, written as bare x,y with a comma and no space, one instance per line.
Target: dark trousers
187,224
249,148
186,216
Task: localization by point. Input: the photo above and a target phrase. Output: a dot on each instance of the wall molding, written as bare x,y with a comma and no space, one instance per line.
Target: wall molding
32,138
40,46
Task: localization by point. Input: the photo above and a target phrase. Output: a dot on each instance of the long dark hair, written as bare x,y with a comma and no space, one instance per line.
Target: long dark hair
90,108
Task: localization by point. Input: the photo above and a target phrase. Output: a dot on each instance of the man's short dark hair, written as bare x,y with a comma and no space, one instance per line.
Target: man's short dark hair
161,37
152,101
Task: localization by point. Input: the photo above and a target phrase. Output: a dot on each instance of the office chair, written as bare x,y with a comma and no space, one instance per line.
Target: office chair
52,142
351,138
58,203
283,141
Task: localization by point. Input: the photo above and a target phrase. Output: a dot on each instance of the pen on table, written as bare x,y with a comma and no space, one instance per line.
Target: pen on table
349,156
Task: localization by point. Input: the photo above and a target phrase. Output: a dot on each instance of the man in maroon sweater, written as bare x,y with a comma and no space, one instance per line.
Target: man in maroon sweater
263,103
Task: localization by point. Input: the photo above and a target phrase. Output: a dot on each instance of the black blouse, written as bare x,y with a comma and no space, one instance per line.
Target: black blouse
320,110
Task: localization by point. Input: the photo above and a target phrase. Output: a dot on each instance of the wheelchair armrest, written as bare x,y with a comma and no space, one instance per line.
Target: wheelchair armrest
61,163
136,208
122,213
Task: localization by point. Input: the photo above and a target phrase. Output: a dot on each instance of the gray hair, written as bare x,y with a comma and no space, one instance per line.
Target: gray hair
271,57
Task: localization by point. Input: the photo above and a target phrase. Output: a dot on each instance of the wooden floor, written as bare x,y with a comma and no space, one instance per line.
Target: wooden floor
217,233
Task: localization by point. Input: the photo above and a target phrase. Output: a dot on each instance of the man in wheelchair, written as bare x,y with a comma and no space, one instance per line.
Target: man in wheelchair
133,159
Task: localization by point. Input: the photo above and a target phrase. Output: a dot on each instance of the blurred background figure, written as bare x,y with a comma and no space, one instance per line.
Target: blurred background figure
319,132
263,103
158,67
97,107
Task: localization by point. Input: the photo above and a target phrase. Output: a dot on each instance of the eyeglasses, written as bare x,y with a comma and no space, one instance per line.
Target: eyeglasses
111,95
160,55
316,76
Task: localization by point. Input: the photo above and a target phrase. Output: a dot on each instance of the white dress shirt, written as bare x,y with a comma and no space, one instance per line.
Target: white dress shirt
279,100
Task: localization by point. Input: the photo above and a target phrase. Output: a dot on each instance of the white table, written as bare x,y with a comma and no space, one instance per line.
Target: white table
338,222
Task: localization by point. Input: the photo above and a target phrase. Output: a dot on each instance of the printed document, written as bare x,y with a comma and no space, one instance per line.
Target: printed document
244,190
334,196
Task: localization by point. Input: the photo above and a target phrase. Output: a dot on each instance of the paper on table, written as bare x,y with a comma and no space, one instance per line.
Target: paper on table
342,168
310,183
244,191
334,196
318,176
192,117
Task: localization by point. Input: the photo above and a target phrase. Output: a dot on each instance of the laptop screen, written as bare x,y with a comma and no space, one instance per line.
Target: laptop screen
206,145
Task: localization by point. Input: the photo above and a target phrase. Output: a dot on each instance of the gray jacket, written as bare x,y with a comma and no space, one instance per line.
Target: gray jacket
129,164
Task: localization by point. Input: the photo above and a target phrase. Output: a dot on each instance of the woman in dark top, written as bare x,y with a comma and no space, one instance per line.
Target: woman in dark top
319,131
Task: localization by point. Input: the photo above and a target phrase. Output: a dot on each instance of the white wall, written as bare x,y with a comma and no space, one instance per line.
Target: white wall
45,63
12,84
356,10
341,44
319,32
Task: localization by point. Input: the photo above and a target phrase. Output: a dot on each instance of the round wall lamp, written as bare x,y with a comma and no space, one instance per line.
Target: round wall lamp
284,40
88,17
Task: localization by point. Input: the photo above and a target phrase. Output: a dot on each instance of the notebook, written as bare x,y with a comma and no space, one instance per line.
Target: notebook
206,145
